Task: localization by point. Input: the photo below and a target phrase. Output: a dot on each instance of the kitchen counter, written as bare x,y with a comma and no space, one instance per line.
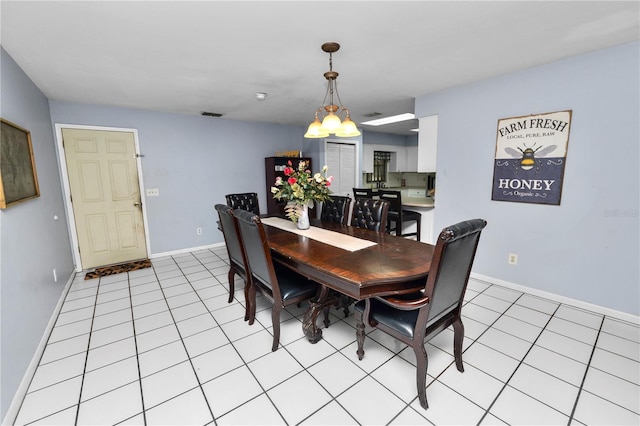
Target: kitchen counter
413,197
425,202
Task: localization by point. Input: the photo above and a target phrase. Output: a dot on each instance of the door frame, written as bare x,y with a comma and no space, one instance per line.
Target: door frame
357,144
66,188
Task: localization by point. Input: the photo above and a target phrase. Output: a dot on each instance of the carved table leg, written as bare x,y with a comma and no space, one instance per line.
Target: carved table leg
321,304
309,327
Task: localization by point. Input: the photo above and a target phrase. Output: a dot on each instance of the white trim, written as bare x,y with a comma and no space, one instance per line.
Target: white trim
66,188
21,392
560,299
186,250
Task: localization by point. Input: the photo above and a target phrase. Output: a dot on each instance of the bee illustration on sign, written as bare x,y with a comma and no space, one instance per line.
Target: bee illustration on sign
530,157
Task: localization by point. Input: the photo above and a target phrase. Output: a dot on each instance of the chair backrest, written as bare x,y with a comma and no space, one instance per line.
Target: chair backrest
336,209
450,268
256,248
246,201
393,197
231,238
370,213
362,193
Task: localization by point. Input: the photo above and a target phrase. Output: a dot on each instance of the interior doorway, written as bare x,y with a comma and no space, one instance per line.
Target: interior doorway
103,192
341,158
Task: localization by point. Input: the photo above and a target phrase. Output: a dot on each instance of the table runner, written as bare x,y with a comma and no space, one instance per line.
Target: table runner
346,242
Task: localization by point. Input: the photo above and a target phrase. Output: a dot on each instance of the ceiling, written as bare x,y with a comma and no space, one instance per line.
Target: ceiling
189,57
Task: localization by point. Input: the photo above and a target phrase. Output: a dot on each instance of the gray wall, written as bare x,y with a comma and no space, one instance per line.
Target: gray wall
32,243
586,248
193,161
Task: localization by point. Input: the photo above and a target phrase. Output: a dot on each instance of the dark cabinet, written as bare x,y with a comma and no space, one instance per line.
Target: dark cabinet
274,167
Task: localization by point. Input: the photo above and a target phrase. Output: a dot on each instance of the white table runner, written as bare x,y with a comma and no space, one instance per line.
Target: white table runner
346,242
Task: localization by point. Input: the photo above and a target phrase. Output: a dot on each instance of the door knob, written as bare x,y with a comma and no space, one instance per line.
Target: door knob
136,204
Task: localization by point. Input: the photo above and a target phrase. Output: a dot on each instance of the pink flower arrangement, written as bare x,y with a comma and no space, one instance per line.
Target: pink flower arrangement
301,188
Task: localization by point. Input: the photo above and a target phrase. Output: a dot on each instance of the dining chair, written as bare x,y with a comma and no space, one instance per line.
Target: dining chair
416,317
369,213
398,215
237,260
362,193
279,284
336,209
245,201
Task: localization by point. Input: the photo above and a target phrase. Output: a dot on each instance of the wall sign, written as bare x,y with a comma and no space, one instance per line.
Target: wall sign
531,153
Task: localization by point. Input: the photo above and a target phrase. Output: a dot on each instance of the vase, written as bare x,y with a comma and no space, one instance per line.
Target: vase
303,220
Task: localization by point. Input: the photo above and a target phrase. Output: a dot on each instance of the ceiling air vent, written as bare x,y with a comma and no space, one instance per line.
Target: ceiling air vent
211,114
373,114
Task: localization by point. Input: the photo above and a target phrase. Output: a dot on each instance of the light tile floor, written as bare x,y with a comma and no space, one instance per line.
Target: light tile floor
163,346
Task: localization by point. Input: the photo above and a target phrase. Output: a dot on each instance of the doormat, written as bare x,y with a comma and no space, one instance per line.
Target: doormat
117,269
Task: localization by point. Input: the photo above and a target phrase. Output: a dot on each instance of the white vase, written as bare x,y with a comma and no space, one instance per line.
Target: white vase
303,220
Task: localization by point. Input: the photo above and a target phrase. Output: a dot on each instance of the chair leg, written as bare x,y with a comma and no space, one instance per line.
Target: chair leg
421,371
458,336
247,299
359,335
231,276
275,319
251,301
418,229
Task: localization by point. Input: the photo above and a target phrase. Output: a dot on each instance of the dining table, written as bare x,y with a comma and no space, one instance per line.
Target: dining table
349,261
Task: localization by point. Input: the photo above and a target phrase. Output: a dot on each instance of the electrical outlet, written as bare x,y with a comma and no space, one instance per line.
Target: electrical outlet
513,259
153,192
198,231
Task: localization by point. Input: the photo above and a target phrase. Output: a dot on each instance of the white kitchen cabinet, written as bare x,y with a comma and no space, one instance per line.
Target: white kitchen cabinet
367,159
403,158
412,159
427,144
400,157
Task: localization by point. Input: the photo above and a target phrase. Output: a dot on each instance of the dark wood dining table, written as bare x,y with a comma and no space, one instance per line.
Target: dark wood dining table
394,265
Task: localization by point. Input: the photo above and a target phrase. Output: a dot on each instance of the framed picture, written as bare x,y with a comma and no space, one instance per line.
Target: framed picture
18,179
531,152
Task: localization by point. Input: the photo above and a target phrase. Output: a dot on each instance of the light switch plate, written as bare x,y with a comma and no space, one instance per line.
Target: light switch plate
153,192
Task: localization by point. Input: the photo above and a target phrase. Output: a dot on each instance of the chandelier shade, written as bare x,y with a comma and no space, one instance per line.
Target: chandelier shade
337,120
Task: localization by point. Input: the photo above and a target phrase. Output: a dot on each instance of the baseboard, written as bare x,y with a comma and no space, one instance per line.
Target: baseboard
186,250
560,299
21,392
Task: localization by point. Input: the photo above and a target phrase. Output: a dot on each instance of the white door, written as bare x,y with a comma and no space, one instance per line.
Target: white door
341,160
105,195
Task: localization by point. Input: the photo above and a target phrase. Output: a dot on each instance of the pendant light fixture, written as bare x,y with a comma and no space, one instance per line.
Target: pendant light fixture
332,122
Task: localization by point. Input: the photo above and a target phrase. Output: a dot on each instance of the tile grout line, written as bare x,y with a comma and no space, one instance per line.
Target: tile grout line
199,386
175,324
86,356
520,361
135,343
244,363
586,372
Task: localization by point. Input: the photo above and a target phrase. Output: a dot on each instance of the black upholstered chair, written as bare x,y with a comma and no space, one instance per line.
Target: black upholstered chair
282,286
336,209
237,260
398,216
246,201
414,318
370,213
362,193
